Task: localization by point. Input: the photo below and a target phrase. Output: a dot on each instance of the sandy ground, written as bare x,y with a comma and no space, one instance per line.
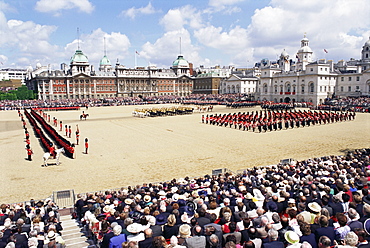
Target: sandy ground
126,150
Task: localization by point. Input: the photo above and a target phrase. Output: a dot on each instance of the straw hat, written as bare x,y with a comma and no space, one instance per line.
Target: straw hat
314,207
291,237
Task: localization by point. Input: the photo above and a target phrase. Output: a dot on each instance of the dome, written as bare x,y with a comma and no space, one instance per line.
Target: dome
284,53
367,43
180,62
305,49
105,61
79,57
38,65
305,39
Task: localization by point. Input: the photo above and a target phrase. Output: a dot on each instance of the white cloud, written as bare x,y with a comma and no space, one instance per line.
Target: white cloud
283,23
224,7
133,12
176,19
6,7
55,6
92,45
3,60
165,49
27,40
215,37
222,3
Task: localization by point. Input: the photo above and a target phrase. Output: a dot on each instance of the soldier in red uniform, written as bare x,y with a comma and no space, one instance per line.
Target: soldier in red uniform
86,145
69,131
77,134
29,152
52,150
61,126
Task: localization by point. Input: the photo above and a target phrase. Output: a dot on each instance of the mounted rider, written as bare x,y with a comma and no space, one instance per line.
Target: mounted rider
52,150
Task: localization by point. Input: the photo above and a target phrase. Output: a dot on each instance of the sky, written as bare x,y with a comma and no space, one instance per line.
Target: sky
206,32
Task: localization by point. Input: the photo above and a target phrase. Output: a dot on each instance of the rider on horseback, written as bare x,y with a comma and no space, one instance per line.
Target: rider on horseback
52,150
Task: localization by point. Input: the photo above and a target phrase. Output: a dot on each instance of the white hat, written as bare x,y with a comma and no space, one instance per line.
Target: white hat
291,237
134,228
51,235
314,207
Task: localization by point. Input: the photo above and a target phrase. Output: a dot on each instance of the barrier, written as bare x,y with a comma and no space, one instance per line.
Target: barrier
64,198
221,171
58,108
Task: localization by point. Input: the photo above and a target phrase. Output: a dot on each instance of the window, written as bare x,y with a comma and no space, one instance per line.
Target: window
320,88
311,69
302,89
341,88
357,78
349,78
342,79
312,87
349,88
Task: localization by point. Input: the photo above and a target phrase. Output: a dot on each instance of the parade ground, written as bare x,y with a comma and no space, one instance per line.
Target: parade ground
126,150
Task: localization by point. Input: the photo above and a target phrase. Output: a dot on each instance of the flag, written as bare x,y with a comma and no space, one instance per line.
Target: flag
137,52
326,51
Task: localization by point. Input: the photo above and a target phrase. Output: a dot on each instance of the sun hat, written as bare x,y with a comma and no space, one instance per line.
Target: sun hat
314,207
128,201
184,231
134,228
291,237
51,235
147,198
367,226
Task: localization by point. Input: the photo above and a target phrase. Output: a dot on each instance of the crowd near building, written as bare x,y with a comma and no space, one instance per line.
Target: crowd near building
297,79
313,203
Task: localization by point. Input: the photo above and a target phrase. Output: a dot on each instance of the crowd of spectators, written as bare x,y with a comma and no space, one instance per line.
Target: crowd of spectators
117,101
36,225
320,202
357,104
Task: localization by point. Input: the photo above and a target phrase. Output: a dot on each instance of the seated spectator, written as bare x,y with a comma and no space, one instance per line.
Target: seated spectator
325,230
197,240
273,242
118,238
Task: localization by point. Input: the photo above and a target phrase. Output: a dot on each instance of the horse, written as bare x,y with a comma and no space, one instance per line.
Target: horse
83,116
47,156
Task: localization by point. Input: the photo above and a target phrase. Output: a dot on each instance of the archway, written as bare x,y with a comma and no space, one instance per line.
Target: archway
287,99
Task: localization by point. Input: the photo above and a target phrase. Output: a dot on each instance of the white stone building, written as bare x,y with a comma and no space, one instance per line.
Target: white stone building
240,82
314,81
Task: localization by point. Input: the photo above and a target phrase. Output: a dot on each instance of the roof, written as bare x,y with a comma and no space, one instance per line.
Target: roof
105,61
180,62
79,57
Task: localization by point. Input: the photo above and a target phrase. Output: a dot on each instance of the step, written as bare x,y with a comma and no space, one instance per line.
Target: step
73,234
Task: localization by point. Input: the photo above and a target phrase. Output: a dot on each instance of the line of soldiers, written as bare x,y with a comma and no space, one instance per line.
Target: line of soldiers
263,121
54,135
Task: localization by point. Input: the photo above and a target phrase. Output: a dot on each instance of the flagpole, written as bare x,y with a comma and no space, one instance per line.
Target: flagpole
135,60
